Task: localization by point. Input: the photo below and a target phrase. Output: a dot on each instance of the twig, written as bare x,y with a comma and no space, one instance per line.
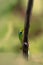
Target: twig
26,28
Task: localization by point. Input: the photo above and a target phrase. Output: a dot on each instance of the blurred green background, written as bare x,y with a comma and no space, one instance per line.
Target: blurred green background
12,19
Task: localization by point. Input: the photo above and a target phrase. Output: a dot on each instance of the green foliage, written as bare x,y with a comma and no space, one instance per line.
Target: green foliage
3,31
13,43
2,49
6,6
17,48
36,45
35,27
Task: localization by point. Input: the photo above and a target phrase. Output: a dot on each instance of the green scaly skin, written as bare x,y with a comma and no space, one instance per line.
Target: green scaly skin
21,36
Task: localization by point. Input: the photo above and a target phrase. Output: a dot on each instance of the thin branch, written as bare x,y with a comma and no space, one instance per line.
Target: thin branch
26,28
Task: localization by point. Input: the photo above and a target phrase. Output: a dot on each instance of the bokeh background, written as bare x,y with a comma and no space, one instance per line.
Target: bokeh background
12,19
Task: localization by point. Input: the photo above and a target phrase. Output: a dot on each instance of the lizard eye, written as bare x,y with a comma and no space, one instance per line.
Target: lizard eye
20,32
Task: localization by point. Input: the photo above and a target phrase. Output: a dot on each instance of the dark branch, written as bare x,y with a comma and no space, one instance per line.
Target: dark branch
26,29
